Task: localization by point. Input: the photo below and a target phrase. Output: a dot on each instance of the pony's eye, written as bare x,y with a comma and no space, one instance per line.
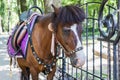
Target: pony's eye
66,31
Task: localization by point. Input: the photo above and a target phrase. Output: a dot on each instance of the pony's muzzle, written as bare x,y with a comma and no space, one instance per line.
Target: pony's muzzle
78,61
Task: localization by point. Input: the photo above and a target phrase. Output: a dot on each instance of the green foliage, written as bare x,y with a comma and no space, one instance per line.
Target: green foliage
70,2
9,11
3,12
2,7
112,3
92,8
13,8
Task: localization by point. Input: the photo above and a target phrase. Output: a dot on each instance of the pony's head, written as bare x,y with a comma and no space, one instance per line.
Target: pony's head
66,23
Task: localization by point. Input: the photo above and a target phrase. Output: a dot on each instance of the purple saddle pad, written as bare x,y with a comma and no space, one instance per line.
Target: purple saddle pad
23,43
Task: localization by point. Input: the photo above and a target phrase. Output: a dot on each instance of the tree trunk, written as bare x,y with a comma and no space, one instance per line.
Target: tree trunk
18,9
35,2
47,5
23,5
0,26
118,43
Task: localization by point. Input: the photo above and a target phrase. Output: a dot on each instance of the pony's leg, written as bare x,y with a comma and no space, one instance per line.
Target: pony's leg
51,74
28,73
23,77
25,73
34,74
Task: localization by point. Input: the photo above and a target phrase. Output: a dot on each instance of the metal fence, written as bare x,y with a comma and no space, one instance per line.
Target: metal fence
101,55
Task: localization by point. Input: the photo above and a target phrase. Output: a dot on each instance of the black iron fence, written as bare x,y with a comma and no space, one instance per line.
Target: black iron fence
101,54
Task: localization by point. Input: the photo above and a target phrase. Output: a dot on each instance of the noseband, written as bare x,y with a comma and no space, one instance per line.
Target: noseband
76,50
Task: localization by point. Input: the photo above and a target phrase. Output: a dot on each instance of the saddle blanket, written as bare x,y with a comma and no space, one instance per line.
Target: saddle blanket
24,42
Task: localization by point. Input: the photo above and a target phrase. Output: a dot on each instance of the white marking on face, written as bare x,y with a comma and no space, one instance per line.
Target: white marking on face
74,29
79,54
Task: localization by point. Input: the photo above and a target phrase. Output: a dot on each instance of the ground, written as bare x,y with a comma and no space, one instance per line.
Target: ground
5,73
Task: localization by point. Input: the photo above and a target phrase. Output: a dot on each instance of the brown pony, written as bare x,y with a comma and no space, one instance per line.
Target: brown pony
62,27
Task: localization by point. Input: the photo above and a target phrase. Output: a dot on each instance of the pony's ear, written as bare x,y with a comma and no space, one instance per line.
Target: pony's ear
50,27
56,10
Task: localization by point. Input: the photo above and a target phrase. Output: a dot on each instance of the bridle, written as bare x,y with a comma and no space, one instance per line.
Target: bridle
61,46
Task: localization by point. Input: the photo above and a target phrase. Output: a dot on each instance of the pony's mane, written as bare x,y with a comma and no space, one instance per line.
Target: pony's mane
69,15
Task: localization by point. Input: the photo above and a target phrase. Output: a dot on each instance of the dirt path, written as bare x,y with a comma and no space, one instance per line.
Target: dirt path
5,73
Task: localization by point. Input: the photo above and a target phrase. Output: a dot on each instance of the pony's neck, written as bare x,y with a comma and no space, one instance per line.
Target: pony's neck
42,37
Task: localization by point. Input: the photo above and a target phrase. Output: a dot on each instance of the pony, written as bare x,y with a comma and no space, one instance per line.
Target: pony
61,28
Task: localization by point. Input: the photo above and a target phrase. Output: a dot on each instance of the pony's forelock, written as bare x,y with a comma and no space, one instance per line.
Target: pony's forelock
70,14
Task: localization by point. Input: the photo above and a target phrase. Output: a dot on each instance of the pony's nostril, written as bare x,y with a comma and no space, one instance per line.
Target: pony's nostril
75,61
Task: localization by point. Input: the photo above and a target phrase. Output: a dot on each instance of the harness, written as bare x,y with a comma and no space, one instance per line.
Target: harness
48,67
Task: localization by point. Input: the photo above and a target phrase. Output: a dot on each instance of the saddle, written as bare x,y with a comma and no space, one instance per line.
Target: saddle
20,29
18,40
18,34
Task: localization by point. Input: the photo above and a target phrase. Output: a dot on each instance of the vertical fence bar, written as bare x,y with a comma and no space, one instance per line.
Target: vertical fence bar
109,55
86,41
81,75
63,65
93,37
100,53
68,67
76,73
109,62
119,41
72,71
100,58
114,63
